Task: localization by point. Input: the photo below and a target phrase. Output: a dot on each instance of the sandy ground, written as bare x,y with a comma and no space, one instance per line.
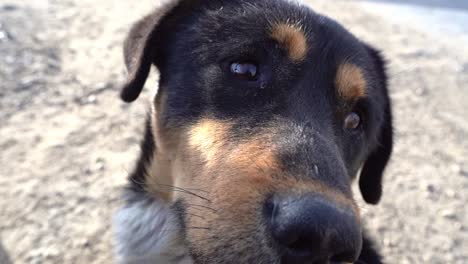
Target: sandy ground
67,142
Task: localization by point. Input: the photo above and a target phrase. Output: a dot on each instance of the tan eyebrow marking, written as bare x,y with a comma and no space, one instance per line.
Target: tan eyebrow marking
292,38
350,82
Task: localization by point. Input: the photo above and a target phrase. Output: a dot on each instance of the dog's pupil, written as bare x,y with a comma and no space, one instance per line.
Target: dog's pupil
244,69
352,121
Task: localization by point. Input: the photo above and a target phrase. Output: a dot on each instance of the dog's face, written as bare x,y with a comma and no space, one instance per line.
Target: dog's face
265,113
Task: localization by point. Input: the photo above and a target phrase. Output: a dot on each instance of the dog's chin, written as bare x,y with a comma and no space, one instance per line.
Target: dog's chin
225,255
235,258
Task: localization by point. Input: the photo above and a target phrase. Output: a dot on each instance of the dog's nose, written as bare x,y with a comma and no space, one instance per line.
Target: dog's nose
312,229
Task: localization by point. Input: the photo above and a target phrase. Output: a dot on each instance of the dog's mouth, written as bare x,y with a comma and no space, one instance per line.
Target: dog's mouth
296,234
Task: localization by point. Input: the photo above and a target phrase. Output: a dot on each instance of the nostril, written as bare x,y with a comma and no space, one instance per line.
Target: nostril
302,247
299,246
269,209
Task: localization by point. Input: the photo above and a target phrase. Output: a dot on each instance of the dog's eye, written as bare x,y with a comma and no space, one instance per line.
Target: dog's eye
352,121
244,70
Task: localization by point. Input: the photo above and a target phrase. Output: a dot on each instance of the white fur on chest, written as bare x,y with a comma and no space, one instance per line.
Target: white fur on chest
146,231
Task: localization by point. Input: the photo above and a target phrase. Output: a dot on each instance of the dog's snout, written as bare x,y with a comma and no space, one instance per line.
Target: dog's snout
312,229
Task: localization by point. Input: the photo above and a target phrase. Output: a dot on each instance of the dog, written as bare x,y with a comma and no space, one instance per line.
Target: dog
265,114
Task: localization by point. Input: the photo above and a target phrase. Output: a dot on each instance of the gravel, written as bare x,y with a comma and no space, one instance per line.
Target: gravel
67,142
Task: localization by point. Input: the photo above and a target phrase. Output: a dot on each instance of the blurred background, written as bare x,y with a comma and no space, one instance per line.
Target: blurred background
67,142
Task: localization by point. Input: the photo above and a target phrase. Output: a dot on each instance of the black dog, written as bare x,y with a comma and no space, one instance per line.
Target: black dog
265,113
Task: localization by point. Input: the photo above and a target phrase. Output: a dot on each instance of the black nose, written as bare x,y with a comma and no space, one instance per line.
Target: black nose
312,229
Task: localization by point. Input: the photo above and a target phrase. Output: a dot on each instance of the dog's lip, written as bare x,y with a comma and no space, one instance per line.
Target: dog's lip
329,262
323,262
313,261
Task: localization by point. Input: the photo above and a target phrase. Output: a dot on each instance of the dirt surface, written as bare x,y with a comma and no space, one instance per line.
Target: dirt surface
67,142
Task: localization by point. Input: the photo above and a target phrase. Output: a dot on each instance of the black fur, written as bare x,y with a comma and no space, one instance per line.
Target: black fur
370,181
148,147
369,254
193,43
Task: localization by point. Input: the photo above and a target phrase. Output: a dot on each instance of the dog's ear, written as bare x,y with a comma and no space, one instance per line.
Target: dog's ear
370,180
141,48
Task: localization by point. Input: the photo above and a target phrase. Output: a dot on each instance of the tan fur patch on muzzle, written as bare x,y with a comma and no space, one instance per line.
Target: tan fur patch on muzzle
208,136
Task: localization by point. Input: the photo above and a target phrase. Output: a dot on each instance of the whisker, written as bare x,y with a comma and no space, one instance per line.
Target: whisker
203,207
137,182
169,230
199,216
191,189
199,227
182,190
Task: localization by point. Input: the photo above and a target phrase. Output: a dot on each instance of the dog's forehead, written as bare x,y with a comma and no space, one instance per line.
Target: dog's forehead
298,29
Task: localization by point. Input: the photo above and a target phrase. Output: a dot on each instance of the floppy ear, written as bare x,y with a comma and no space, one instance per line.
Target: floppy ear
370,180
140,49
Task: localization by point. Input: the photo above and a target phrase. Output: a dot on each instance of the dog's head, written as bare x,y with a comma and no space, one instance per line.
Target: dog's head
265,113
